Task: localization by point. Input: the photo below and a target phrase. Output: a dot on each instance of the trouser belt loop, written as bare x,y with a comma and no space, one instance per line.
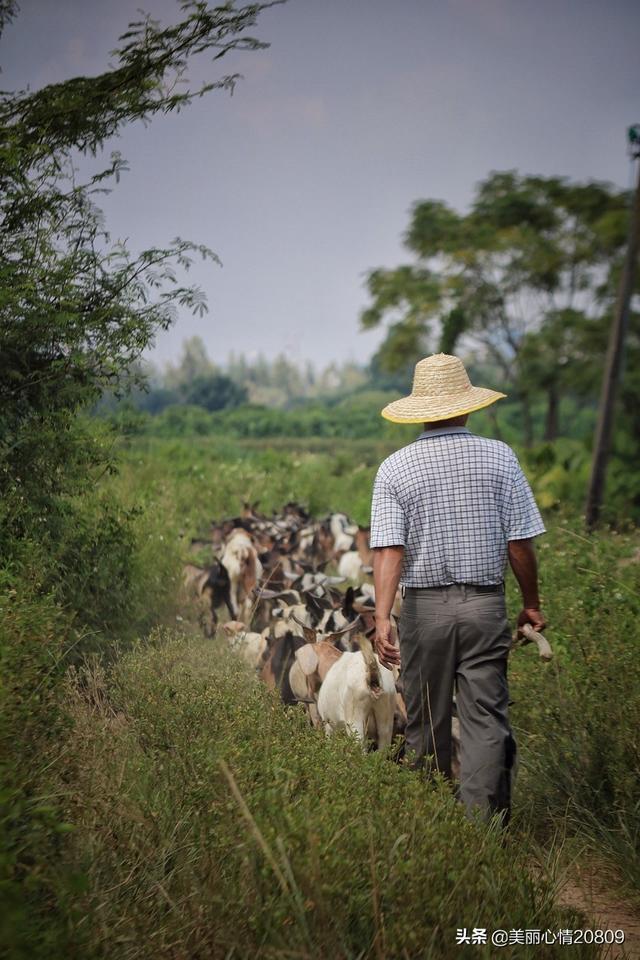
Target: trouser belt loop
464,591
403,591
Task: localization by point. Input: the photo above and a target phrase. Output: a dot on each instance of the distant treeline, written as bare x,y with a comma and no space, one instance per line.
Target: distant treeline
278,383
265,398
558,469
354,415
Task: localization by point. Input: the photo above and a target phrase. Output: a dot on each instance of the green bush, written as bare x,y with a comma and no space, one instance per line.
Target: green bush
357,416
115,567
87,575
34,635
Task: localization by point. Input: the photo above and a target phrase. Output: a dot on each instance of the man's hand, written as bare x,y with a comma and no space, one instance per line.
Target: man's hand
532,615
386,649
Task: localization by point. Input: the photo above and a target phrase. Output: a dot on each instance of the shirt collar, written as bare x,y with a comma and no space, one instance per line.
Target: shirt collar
441,431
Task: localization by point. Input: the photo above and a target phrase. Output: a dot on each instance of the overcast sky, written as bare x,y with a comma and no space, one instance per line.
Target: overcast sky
303,180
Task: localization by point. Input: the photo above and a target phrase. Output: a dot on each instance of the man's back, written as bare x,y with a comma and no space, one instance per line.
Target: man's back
447,512
453,500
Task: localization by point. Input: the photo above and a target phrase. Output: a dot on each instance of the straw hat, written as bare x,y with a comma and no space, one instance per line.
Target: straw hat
441,389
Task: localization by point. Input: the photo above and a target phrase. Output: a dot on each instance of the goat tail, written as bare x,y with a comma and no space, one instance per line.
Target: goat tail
370,663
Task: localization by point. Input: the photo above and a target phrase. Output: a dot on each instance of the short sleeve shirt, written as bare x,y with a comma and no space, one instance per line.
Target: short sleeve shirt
453,500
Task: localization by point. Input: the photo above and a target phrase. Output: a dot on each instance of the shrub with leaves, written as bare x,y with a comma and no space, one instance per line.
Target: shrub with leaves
76,311
76,308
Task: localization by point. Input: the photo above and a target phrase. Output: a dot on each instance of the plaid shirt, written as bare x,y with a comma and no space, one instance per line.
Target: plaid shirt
453,500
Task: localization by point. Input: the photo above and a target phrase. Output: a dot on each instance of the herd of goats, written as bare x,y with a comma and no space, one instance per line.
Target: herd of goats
289,620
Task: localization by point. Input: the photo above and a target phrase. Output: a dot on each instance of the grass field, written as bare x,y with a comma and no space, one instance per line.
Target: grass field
199,818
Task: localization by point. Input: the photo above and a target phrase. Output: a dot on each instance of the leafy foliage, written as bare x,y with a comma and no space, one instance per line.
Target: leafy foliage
525,278
76,309
278,383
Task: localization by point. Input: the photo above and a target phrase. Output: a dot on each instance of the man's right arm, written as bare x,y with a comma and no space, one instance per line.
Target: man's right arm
522,557
388,538
387,569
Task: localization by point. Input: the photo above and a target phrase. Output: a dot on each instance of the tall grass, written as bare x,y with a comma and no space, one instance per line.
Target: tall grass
578,718
212,822
195,480
99,574
157,802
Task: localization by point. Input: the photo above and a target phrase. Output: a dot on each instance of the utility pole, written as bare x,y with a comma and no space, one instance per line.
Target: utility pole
602,441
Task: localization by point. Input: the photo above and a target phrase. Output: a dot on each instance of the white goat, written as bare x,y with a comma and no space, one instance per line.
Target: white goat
240,558
358,693
342,531
290,618
250,646
351,567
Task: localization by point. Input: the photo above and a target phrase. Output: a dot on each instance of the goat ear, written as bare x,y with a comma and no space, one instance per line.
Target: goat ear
308,659
265,594
363,607
309,633
317,604
332,637
347,606
337,598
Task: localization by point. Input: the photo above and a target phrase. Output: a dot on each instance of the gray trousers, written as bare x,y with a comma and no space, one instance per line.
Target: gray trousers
460,634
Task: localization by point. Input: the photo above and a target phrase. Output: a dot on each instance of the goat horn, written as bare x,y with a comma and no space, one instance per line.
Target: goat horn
310,635
532,636
352,626
300,623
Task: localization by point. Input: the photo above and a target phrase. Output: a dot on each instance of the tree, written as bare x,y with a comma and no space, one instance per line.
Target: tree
76,309
530,265
194,362
214,392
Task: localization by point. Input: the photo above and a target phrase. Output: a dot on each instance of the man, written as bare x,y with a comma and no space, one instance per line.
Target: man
448,511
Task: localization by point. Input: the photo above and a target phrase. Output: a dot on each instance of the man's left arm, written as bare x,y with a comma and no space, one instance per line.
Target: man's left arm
522,558
525,523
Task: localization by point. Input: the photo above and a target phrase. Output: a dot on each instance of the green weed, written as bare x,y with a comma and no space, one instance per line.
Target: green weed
212,822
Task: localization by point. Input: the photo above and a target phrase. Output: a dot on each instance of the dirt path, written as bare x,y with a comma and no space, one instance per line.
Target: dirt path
588,890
